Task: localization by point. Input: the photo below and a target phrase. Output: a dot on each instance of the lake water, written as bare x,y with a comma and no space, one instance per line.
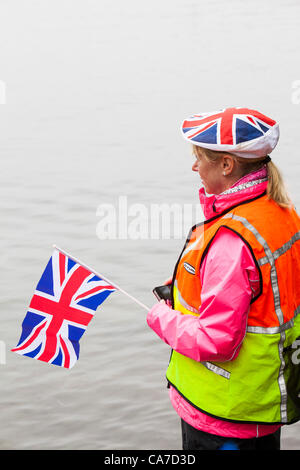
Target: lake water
95,92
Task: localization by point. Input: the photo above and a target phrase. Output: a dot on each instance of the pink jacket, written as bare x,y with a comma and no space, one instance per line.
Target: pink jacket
229,280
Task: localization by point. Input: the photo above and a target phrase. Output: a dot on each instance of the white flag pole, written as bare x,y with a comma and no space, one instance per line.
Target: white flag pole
102,277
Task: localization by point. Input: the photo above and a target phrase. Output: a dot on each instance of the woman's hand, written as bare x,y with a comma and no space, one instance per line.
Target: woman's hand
168,281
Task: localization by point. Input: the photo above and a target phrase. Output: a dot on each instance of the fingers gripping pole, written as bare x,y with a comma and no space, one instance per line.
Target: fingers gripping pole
102,277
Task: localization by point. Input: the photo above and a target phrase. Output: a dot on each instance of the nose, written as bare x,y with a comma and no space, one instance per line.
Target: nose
195,166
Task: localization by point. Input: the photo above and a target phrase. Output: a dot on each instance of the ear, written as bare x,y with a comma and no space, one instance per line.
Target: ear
227,164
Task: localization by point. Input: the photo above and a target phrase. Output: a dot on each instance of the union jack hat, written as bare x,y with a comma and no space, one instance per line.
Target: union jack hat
244,132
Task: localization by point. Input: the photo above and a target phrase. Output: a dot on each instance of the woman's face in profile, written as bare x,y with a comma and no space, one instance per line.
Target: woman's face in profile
211,174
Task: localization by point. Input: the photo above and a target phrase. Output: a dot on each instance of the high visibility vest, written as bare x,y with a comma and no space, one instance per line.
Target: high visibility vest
262,384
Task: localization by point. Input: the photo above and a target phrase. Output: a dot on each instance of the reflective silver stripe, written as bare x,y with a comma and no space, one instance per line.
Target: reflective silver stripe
183,302
263,261
283,249
216,369
278,311
240,187
281,380
272,330
297,311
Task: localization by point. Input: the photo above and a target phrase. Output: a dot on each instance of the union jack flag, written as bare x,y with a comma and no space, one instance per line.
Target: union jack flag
226,128
64,302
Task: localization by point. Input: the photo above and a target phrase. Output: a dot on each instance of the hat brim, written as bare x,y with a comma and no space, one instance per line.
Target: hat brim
255,148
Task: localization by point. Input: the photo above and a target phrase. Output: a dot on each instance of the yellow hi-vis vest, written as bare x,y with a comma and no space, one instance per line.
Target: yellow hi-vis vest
262,384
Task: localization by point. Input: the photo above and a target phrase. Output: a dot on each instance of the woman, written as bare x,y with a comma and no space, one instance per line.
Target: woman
233,321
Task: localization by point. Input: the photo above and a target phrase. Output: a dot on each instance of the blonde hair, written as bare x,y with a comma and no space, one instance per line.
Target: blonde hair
276,189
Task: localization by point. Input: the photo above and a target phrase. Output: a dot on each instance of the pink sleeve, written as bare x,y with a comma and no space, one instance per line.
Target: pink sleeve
229,279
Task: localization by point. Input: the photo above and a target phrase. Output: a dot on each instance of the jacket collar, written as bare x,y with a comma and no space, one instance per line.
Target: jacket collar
249,186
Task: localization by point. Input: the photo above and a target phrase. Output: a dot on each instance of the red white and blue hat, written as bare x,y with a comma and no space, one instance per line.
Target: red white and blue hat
244,132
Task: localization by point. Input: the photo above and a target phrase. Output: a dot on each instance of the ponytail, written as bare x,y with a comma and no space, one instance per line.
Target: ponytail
276,188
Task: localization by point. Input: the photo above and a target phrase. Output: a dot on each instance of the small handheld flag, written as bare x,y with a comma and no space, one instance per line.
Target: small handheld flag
64,302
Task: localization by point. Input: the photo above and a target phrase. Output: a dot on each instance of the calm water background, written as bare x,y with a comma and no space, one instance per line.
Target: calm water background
95,93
